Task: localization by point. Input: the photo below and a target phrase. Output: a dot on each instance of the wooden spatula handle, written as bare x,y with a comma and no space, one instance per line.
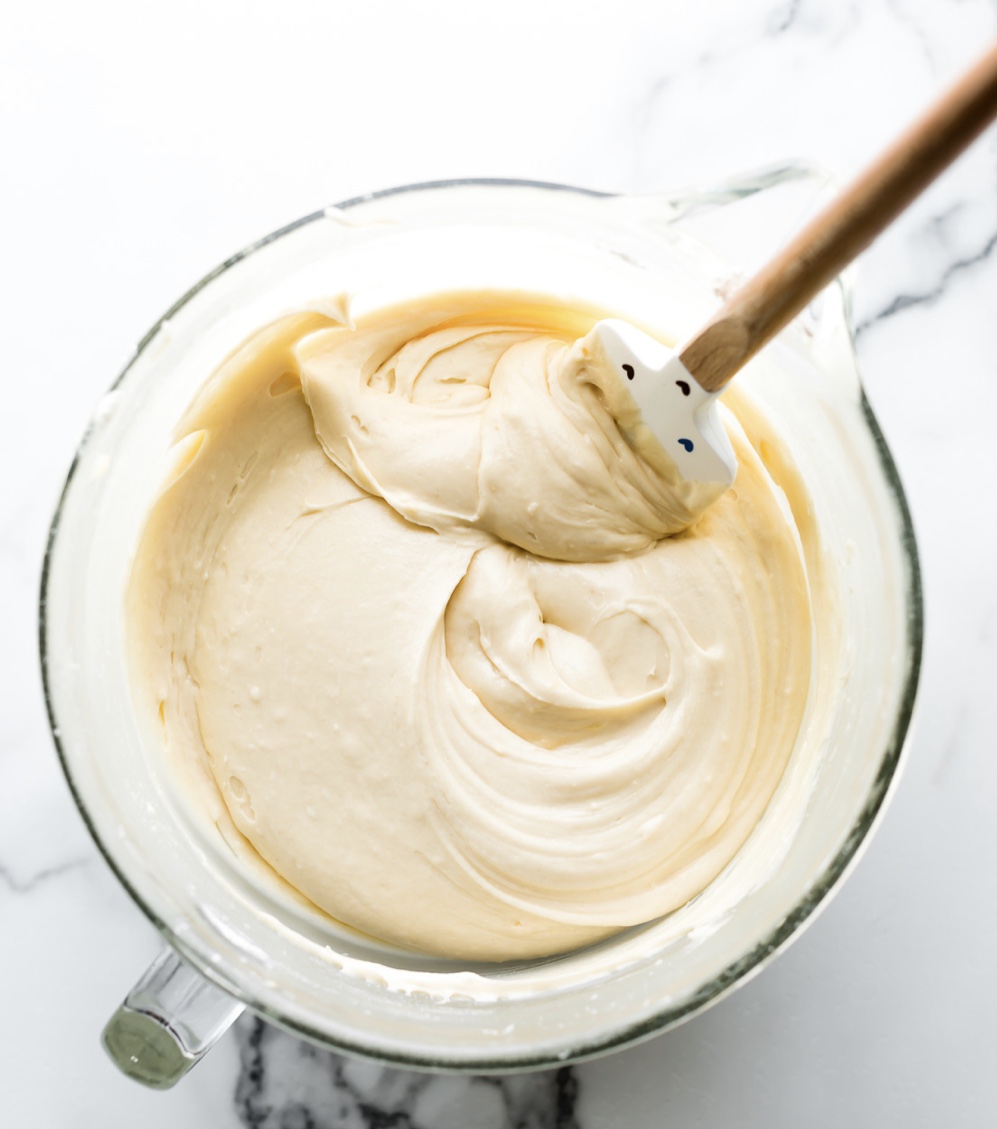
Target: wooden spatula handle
774,296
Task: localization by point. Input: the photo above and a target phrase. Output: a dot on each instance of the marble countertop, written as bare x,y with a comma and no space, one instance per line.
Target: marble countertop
141,146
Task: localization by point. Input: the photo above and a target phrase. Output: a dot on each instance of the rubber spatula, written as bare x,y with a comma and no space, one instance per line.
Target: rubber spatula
677,391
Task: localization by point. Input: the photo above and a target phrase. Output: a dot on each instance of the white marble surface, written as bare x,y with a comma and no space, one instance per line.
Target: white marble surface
141,146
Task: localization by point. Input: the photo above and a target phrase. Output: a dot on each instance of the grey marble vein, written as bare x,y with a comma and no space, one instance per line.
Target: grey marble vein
813,18
936,291
285,1083
26,885
904,17
783,17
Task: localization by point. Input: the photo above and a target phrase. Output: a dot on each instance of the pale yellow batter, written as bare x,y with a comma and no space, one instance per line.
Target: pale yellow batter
408,601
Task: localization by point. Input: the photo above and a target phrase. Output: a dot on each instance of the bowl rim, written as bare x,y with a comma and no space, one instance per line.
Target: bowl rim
739,971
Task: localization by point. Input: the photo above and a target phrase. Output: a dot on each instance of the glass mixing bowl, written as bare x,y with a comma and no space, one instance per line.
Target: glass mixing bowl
660,260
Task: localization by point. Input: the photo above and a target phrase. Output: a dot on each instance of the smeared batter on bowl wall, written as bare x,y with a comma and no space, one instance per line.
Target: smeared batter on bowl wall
409,601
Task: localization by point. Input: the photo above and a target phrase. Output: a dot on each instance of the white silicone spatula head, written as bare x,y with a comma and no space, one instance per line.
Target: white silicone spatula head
683,415
677,391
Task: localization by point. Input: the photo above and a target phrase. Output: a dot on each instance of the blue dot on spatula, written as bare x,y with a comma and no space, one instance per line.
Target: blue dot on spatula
687,443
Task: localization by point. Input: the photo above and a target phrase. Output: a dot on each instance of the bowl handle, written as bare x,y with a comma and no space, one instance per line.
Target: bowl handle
168,1022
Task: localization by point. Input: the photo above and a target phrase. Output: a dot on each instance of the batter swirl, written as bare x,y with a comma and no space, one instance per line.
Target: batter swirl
408,601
